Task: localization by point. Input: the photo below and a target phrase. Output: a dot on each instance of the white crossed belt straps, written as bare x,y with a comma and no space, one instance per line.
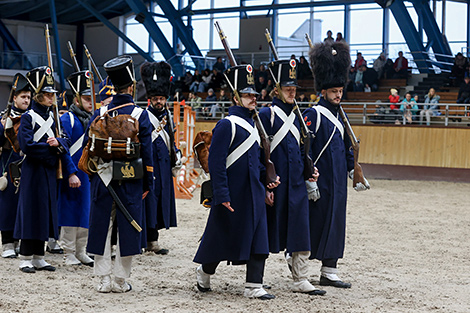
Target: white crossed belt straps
245,145
288,125
77,144
45,126
159,130
333,119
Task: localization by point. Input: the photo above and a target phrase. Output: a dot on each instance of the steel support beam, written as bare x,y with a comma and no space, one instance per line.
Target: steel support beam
184,34
386,31
408,29
276,6
347,23
138,7
58,54
439,45
10,42
115,30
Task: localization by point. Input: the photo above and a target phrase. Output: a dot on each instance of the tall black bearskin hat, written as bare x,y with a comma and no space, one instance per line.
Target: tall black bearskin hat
121,71
156,77
80,83
330,64
41,79
284,72
241,79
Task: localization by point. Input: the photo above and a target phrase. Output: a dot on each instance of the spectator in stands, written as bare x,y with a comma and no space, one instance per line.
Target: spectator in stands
217,108
380,113
313,100
196,84
302,98
369,79
269,86
379,65
358,79
339,37
196,103
261,72
409,108
464,91
459,69
219,65
210,100
178,95
188,80
260,84
206,79
360,61
303,69
264,97
329,37
216,80
389,71
351,79
416,97
430,108
401,66
394,98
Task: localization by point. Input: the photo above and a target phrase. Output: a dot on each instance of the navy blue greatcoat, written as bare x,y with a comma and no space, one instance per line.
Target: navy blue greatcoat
8,197
74,203
160,203
234,236
288,220
37,207
129,191
328,214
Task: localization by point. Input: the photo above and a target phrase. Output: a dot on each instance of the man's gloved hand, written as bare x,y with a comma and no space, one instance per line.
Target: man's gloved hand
176,169
361,186
312,190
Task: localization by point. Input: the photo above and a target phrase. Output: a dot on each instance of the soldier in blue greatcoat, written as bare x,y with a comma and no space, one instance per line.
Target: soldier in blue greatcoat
160,203
104,212
331,151
36,219
74,197
8,192
288,220
236,230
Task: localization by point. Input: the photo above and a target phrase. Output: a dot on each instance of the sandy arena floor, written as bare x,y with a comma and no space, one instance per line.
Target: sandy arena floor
407,250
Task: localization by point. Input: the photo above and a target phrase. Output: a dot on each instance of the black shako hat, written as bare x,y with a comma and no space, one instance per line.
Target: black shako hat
284,72
241,79
330,64
80,83
157,78
121,71
41,79
21,83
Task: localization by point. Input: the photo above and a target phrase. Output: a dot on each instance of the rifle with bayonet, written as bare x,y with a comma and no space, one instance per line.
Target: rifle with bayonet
306,135
271,175
73,56
56,107
93,65
358,173
92,86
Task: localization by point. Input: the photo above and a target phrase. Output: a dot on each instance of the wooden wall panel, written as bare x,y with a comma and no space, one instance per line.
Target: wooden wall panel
415,146
406,145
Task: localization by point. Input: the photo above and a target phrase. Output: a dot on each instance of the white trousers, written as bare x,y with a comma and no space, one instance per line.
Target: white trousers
103,263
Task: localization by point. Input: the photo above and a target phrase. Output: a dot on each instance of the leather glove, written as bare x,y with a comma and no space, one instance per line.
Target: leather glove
312,190
362,187
176,169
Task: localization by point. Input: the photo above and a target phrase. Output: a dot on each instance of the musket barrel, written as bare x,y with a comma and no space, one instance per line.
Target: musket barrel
73,56
95,69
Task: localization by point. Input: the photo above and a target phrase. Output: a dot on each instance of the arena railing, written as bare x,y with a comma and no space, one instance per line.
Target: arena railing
363,113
